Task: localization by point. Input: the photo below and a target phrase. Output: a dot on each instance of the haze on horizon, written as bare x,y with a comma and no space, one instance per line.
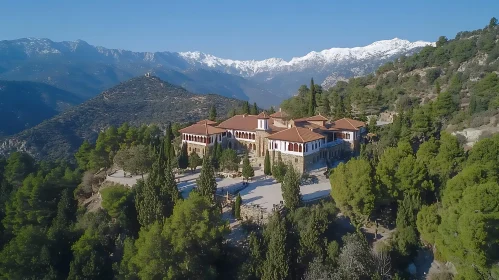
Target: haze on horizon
244,31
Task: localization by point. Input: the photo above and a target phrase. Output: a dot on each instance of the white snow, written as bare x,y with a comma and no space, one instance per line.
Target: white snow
380,49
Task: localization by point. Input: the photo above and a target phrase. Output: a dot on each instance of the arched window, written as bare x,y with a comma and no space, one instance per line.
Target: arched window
299,148
275,146
290,147
295,147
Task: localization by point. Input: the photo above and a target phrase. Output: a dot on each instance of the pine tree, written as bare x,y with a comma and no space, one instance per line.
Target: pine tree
172,157
248,171
194,160
232,113
167,141
276,265
183,159
254,109
246,108
290,188
216,153
311,102
237,207
271,110
206,183
267,168
213,113
279,169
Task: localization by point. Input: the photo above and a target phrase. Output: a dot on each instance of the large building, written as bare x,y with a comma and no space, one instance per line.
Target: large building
305,142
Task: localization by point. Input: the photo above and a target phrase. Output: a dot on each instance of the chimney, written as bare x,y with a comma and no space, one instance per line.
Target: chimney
279,109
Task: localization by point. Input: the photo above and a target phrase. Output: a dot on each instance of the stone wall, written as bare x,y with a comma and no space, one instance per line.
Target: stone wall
254,213
200,149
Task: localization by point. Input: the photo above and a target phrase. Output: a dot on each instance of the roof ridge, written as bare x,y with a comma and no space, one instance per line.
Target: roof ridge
350,123
299,135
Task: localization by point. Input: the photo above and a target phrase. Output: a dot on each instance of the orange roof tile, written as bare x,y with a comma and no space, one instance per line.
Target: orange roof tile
313,118
241,122
296,134
208,122
347,124
201,129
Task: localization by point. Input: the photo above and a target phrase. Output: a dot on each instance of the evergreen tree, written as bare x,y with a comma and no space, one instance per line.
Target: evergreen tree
237,207
267,168
206,183
254,109
194,160
231,113
290,188
216,153
167,142
271,110
279,169
493,22
213,113
90,259
183,160
311,102
246,108
248,170
172,157
276,265
324,107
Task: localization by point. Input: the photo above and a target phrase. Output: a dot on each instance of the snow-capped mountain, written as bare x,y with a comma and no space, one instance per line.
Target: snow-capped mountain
379,50
79,67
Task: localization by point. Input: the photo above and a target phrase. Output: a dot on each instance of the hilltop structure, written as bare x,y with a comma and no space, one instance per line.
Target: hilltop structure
302,142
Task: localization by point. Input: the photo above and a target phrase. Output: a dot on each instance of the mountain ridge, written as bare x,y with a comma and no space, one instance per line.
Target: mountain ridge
140,100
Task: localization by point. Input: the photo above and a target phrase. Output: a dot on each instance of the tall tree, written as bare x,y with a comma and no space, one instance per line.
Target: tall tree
206,183
183,159
290,188
90,259
237,207
267,168
194,160
246,108
311,102
213,113
248,171
167,142
254,109
271,110
276,265
279,169
232,112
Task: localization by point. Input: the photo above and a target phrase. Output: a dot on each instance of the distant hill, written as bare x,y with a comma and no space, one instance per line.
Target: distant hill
141,100
26,104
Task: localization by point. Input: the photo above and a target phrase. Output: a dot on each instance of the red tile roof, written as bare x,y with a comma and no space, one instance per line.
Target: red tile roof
263,115
279,115
241,122
296,134
346,124
313,118
208,122
202,129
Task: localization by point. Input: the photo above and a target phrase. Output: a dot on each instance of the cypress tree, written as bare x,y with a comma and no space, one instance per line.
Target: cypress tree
237,207
311,102
254,109
213,113
279,169
232,113
172,157
248,171
167,141
266,164
183,160
271,110
290,188
276,265
246,108
206,183
216,152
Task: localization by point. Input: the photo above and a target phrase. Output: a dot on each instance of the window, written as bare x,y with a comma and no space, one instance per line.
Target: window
347,135
296,160
189,149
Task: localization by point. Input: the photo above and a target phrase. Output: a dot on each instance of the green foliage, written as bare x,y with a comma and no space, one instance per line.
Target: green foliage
352,188
277,258
135,160
183,159
311,102
18,166
206,183
266,164
279,169
290,188
213,114
90,260
186,246
248,171
229,160
427,223
246,108
254,109
194,160
114,199
237,207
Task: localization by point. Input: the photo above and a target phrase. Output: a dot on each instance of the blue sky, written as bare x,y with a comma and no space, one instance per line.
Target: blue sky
241,29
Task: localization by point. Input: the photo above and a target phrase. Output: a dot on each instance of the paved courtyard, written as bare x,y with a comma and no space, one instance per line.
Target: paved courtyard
262,190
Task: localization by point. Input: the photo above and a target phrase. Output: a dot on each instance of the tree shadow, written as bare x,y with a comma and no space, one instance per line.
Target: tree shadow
315,195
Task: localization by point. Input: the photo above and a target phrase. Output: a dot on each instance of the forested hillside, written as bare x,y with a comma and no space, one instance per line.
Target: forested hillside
142,100
26,104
